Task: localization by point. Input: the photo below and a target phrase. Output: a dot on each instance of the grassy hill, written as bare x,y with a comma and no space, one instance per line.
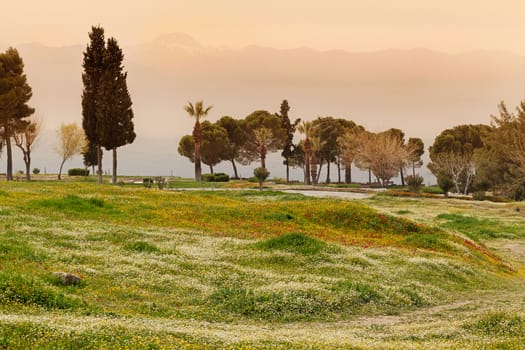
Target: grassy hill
250,269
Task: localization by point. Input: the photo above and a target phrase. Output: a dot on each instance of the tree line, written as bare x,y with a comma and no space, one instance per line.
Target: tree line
107,116
325,141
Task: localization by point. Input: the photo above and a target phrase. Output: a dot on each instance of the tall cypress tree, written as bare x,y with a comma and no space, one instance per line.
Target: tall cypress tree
15,92
289,128
93,71
115,116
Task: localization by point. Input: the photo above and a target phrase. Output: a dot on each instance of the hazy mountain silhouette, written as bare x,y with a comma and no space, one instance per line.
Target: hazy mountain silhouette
419,91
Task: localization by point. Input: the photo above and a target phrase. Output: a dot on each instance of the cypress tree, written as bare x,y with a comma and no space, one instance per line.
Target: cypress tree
93,71
289,128
115,116
15,92
89,154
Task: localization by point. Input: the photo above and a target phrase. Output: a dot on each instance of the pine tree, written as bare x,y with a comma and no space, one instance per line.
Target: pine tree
289,128
15,92
93,71
115,116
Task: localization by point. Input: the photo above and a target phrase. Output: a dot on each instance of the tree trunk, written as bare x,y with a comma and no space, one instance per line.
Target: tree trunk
287,171
234,168
307,179
211,169
99,160
198,171
318,175
114,177
27,160
313,170
263,161
328,172
338,171
9,172
60,169
348,174
413,168
402,177
369,176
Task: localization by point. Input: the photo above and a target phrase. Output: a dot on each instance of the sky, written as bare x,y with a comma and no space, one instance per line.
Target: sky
446,25
465,90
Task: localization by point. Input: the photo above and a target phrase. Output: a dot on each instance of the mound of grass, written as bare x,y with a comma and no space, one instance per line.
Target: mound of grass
72,203
479,228
296,243
141,247
23,290
498,324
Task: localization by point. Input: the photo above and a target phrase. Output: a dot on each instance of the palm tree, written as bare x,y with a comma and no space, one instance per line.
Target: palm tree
197,111
317,144
263,138
306,128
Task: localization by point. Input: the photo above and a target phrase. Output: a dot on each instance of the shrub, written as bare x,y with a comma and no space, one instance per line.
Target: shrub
414,182
78,172
147,182
479,196
36,171
261,174
221,177
161,182
294,243
141,247
445,183
218,177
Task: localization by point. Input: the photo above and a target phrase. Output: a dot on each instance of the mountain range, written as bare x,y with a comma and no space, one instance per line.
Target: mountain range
419,91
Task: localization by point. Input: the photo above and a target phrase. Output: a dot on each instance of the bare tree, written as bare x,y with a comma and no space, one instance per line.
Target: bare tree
25,138
71,140
381,153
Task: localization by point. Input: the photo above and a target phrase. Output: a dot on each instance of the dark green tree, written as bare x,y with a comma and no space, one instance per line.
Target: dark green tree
89,154
416,148
329,130
187,147
264,134
214,144
289,129
15,92
93,66
113,110
236,139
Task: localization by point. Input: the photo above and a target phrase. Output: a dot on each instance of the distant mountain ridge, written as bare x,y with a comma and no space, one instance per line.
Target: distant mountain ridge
419,91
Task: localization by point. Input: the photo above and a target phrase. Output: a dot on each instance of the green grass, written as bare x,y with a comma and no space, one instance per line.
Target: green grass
252,270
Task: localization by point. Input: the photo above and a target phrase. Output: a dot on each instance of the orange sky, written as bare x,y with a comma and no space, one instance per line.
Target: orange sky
443,25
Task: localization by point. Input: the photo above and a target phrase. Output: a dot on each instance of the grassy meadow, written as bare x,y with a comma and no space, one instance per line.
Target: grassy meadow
256,270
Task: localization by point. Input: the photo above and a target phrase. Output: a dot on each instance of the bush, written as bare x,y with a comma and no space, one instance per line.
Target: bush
479,196
147,182
414,182
445,183
161,182
218,177
78,172
36,171
261,174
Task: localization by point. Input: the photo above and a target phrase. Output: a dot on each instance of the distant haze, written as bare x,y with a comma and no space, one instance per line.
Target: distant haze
417,90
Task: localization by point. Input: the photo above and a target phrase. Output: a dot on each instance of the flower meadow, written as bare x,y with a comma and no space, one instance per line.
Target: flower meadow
245,269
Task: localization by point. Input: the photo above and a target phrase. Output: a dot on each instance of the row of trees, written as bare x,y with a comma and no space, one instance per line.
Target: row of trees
325,141
106,107
483,157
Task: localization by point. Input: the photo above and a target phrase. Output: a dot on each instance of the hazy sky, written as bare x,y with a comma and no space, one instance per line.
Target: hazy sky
446,25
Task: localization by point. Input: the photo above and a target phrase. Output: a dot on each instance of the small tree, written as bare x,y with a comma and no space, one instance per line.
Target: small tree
71,139
25,137
445,183
414,182
261,174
